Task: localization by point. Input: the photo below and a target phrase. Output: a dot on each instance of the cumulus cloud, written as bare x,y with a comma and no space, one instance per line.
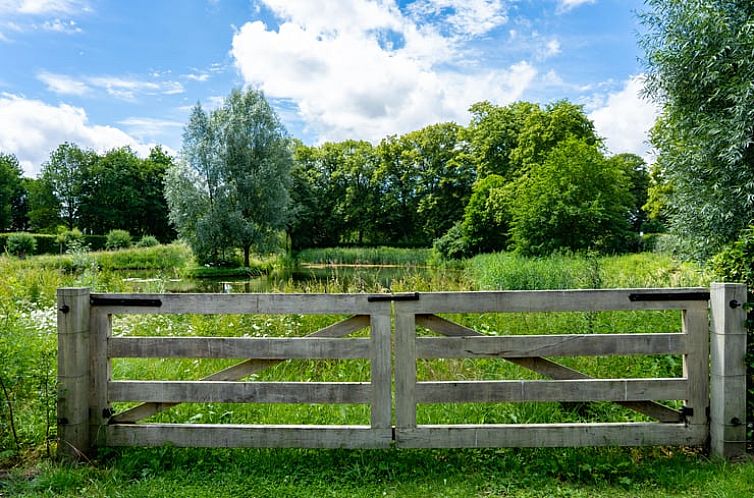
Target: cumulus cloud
462,17
363,69
31,129
625,119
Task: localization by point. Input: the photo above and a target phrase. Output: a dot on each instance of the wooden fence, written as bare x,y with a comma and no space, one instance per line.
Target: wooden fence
713,385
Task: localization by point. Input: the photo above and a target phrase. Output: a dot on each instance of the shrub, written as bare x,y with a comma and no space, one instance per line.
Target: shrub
118,239
21,244
454,244
148,241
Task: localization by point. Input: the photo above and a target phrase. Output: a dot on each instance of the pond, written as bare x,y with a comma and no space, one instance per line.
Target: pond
325,278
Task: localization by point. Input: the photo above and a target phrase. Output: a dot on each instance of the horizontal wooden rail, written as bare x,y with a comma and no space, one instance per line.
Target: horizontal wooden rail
310,304
238,347
244,436
550,435
551,390
239,392
548,301
528,346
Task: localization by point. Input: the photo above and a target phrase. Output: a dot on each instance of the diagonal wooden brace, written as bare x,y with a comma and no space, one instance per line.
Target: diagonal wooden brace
241,370
548,368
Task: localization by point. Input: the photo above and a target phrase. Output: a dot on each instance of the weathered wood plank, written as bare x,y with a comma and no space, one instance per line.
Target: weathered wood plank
549,345
99,405
549,368
310,304
239,392
550,435
551,390
243,369
277,348
240,436
381,375
405,369
545,301
696,364
728,371
73,373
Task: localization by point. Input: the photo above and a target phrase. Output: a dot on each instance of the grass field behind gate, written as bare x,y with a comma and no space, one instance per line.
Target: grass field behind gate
27,339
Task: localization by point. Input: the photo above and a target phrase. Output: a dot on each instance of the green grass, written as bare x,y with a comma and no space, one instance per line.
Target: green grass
28,344
170,257
365,256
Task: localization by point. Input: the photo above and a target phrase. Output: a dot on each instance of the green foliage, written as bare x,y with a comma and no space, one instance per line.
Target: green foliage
364,256
698,57
453,245
574,201
12,194
118,239
21,244
544,129
487,217
148,241
231,190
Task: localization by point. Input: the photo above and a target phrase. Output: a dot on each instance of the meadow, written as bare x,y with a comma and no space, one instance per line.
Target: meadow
28,348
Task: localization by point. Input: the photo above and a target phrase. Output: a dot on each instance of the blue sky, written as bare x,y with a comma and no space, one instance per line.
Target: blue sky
106,73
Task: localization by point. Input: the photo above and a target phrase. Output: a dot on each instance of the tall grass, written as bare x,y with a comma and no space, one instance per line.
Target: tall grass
508,271
170,257
365,256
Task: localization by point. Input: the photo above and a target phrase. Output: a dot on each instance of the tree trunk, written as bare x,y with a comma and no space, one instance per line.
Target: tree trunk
246,250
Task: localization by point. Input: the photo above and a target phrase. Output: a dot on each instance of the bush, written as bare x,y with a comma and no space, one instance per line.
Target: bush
454,244
148,241
21,244
118,239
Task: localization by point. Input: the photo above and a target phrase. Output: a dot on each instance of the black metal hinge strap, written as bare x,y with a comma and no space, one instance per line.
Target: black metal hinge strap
409,296
124,301
669,296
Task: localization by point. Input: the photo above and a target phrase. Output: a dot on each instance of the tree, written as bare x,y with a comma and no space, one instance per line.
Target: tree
11,192
637,174
486,219
493,134
544,129
576,200
699,69
44,207
63,173
230,189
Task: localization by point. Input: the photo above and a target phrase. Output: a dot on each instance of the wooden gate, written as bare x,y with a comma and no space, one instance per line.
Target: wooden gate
712,386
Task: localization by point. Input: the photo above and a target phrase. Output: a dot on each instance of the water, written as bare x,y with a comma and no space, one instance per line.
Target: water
329,278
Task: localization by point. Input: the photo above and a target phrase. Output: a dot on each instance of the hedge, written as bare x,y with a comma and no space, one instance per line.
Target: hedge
47,244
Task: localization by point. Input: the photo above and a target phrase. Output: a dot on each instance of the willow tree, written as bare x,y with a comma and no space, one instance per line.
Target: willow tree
700,70
229,188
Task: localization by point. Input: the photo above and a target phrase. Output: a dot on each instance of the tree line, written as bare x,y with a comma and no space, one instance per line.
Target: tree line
522,176
95,193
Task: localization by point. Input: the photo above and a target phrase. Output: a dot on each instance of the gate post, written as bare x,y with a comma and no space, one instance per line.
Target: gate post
728,370
73,372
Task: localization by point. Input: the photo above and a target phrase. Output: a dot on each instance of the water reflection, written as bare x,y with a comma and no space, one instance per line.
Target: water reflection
320,278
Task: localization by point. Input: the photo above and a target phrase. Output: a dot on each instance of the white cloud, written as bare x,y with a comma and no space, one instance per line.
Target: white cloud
62,84
59,26
552,48
31,129
463,17
626,118
366,70
566,5
38,7
149,127
116,86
